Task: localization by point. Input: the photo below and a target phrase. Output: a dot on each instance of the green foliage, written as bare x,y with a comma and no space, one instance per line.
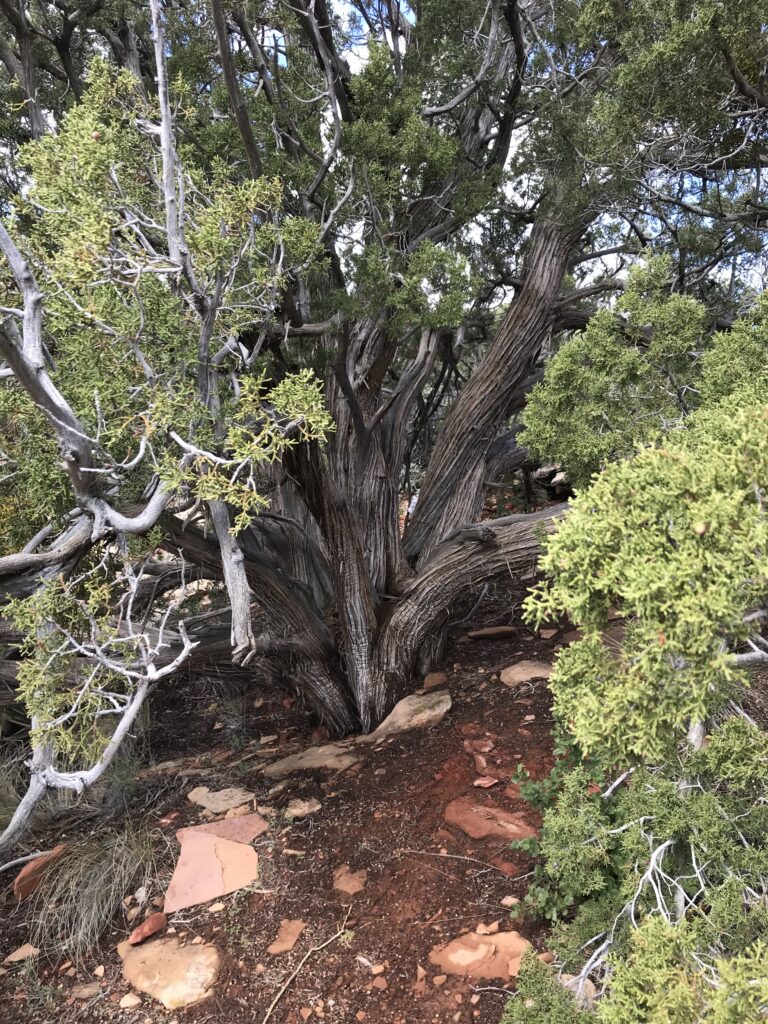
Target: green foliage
541,999
656,982
33,489
668,71
577,849
623,382
742,993
540,793
264,424
432,288
67,710
661,981
695,827
734,369
401,155
124,343
676,539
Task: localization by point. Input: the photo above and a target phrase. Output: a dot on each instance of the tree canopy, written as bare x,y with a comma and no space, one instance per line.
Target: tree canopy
278,278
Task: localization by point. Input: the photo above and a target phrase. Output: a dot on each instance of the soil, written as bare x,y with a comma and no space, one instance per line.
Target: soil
427,882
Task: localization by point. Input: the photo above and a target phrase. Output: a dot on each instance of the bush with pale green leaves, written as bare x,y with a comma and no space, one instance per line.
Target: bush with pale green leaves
677,540
657,888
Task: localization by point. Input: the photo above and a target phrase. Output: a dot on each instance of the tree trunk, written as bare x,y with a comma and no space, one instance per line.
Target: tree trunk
452,492
498,548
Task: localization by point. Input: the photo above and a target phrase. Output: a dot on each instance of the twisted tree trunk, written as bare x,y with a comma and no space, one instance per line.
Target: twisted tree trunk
453,489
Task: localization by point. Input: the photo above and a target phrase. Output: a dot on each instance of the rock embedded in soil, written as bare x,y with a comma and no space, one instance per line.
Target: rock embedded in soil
153,924
434,679
492,633
482,956
331,757
25,952
220,801
481,821
485,782
241,829
547,634
418,711
238,812
88,991
129,1001
349,882
298,808
287,936
525,671
31,875
209,867
173,974
585,993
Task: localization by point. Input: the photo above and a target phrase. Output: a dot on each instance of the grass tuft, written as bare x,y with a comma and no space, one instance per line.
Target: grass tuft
84,888
11,785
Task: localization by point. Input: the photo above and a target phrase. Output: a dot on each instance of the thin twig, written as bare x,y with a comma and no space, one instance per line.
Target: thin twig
22,860
492,988
307,955
456,856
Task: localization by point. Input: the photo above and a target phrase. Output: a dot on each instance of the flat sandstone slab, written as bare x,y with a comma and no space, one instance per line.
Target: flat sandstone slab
483,821
418,711
482,956
208,867
173,974
220,801
331,757
525,671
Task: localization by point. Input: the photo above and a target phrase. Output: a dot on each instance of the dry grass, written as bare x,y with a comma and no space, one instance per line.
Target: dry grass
755,699
11,783
84,888
230,702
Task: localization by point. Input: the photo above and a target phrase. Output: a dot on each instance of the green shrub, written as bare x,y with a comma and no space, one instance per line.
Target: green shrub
541,999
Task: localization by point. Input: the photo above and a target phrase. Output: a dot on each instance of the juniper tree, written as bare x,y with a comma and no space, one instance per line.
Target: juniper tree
272,264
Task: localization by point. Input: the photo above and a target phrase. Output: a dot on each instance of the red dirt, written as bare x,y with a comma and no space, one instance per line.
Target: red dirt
427,882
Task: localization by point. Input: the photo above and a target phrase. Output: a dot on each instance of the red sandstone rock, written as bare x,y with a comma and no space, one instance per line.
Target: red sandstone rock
480,821
482,956
153,924
31,875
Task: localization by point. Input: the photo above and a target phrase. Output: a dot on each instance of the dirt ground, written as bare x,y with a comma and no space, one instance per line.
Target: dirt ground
427,882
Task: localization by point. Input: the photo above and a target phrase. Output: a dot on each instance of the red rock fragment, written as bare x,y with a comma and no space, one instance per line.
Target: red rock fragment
244,828
209,866
31,875
479,956
153,924
287,936
480,821
349,882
